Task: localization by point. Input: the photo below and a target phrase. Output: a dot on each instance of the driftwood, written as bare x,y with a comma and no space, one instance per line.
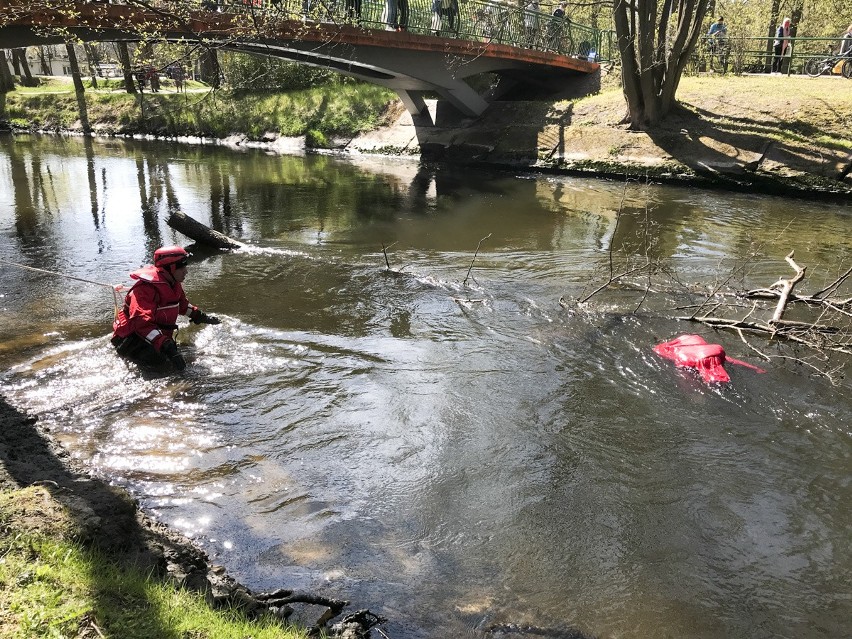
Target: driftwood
842,306
279,602
817,336
200,233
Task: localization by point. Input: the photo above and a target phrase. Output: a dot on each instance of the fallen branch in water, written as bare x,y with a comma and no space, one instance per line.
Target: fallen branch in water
202,234
279,602
818,337
813,334
761,312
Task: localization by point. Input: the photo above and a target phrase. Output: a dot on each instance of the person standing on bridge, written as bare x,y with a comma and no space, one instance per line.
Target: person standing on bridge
531,22
555,27
402,15
436,17
396,15
450,12
353,10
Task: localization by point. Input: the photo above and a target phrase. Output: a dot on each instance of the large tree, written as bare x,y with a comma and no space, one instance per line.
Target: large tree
655,39
79,90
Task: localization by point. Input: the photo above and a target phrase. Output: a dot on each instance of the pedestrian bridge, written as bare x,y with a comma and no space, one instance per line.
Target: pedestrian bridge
404,45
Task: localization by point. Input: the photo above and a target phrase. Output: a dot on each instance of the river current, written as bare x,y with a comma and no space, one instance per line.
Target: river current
446,444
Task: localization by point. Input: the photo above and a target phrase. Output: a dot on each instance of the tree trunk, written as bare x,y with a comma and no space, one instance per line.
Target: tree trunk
26,75
201,233
78,86
796,17
42,56
92,58
654,52
16,62
210,71
7,82
126,68
773,24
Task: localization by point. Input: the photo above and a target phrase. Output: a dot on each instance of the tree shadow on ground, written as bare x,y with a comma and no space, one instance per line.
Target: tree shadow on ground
712,144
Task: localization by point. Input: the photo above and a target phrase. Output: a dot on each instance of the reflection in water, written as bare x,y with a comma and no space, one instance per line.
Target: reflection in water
455,457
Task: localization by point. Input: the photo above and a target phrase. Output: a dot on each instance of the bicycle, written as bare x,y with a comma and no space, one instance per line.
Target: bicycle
815,67
718,52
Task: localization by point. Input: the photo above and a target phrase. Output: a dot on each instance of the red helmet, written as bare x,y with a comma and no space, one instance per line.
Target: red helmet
166,255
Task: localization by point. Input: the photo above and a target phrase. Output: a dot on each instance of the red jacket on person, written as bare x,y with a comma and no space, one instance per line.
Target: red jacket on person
152,306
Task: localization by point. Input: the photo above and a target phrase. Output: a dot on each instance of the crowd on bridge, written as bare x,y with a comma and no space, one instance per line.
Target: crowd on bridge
532,25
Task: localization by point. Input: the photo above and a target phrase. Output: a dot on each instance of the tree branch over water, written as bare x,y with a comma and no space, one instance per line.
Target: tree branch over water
811,330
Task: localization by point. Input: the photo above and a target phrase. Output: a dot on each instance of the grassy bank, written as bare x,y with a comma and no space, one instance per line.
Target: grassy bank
318,113
795,108
52,585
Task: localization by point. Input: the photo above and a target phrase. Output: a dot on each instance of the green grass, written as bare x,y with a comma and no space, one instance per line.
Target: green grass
320,112
52,586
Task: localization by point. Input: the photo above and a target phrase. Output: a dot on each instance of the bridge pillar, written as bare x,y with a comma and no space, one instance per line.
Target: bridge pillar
464,98
456,92
413,102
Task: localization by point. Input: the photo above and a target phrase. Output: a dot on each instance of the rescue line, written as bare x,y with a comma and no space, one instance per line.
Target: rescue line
116,289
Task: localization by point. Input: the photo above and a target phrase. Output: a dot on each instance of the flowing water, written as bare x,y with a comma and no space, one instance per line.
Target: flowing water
447,445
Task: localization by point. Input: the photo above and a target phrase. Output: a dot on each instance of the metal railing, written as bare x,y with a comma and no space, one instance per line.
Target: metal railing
756,55
487,21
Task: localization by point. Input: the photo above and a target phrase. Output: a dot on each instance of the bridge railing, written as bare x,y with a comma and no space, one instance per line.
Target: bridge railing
488,21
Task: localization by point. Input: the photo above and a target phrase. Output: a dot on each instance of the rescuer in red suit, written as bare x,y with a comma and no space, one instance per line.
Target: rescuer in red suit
144,328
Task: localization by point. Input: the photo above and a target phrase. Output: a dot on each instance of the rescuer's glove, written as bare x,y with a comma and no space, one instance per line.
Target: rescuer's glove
170,350
197,317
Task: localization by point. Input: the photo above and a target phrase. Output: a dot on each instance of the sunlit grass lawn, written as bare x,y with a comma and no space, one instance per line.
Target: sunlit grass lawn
341,109
52,586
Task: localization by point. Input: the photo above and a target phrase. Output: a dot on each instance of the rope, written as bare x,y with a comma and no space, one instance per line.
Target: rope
115,288
70,277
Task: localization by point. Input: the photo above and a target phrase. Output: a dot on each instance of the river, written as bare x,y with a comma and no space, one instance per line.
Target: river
447,445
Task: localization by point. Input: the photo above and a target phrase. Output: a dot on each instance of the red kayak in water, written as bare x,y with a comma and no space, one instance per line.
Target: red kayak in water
691,351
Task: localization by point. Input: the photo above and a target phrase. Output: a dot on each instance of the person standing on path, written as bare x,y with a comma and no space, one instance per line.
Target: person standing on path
781,45
846,43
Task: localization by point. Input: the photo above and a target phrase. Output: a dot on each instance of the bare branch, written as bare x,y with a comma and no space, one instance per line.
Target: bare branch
464,283
787,288
385,251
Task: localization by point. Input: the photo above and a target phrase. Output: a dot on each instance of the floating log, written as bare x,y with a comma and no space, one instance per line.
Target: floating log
202,234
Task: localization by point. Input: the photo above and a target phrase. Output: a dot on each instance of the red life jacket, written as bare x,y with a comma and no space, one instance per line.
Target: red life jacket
691,351
151,307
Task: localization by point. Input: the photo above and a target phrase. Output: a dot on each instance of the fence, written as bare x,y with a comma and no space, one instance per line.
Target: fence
756,55
487,21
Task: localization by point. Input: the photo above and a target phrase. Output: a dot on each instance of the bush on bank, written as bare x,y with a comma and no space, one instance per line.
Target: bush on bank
326,111
52,585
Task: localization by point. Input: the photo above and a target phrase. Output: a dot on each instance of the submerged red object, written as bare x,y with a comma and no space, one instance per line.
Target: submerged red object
691,351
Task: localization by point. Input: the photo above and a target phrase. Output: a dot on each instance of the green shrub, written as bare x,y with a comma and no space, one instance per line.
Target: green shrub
316,139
